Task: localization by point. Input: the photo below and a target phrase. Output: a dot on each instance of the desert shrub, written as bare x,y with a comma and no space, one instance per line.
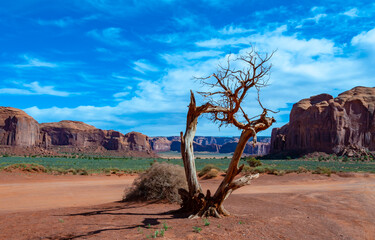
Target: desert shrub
247,169
160,182
206,169
302,170
279,172
323,170
33,168
82,172
253,162
345,174
72,171
211,174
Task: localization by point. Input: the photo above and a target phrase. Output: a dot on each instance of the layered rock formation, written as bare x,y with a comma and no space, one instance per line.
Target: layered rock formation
260,148
325,124
210,144
17,128
83,137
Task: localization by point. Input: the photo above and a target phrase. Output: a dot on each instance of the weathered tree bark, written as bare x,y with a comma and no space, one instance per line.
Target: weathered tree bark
213,206
194,200
229,89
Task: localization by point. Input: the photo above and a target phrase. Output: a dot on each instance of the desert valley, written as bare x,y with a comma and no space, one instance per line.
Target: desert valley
48,204
201,119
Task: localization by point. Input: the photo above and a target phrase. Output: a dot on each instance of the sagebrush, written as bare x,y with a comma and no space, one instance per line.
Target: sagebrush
160,182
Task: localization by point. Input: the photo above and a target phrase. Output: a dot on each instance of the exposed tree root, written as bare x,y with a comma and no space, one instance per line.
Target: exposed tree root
211,206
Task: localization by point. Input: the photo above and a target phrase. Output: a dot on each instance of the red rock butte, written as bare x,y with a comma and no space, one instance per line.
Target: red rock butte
341,125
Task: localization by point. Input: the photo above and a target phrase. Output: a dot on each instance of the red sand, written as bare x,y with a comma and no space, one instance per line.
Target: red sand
295,206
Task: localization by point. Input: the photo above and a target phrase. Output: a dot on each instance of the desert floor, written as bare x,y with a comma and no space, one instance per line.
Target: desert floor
294,206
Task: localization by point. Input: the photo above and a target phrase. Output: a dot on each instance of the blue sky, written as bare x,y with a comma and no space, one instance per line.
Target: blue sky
128,65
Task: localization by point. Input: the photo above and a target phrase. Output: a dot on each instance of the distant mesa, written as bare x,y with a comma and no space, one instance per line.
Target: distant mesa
211,144
344,125
21,134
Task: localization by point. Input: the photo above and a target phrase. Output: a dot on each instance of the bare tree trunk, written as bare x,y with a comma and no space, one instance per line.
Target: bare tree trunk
191,199
194,200
213,206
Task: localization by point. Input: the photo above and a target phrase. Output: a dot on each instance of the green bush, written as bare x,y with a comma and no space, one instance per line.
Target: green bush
247,169
253,162
323,170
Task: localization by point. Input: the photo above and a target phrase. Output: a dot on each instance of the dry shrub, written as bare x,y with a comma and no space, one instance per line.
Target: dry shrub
345,174
206,169
160,182
23,167
211,174
302,170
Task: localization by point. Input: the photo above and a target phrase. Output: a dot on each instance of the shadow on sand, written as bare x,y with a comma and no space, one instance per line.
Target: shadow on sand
117,210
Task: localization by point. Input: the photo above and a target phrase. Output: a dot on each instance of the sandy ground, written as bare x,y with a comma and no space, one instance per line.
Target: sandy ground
295,206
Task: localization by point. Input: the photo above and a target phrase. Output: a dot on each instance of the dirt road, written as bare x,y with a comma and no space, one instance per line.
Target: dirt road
40,192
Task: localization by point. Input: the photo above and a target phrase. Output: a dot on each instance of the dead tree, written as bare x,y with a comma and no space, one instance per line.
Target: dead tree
229,88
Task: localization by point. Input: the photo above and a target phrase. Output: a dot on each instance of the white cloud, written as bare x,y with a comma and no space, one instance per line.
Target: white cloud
111,36
185,58
317,17
365,40
34,88
120,94
35,62
302,67
230,30
102,117
351,13
144,66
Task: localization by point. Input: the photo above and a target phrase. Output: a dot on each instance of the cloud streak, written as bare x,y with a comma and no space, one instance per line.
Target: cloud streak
34,88
111,36
35,62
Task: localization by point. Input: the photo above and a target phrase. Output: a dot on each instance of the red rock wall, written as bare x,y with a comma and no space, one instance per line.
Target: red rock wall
17,128
325,124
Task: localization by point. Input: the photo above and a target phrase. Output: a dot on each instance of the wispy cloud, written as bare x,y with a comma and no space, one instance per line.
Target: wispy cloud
144,66
365,40
34,88
229,30
351,13
62,22
35,62
111,36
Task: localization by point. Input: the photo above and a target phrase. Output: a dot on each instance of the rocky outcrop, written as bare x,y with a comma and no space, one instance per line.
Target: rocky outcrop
19,131
17,128
74,134
160,144
211,144
260,148
332,125
70,133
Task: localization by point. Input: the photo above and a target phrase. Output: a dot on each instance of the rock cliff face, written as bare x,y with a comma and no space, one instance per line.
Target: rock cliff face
70,133
325,124
210,144
87,137
17,128
260,148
